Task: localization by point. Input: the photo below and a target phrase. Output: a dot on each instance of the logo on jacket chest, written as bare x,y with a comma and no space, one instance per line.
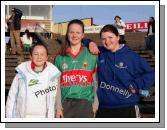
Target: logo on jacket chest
33,82
121,65
102,61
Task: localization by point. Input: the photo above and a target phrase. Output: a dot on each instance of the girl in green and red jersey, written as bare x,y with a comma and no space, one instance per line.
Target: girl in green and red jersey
78,65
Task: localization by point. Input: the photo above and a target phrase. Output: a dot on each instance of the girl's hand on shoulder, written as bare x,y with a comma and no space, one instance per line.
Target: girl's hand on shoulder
93,48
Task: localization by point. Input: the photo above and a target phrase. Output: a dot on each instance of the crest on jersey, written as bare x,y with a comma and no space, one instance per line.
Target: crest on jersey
64,66
85,64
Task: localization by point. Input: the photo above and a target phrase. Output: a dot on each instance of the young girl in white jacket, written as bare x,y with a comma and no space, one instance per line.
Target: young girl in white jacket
34,88
26,40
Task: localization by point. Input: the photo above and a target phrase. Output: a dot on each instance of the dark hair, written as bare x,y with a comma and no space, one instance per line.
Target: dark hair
151,22
28,33
110,28
38,44
117,17
66,44
152,18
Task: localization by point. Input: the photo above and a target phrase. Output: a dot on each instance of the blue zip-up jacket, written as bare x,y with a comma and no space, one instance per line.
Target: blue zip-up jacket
116,71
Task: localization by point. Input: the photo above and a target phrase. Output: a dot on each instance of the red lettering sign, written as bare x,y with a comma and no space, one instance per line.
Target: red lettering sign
136,25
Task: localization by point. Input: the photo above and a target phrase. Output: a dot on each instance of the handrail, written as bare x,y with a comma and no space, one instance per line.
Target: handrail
44,30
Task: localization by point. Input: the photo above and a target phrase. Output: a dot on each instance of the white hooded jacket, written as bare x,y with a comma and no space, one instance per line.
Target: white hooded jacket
16,104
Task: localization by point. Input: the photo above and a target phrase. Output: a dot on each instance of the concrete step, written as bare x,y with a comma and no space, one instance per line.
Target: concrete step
9,68
9,74
15,56
15,60
147,56
9,80
144,51
14,64
151,60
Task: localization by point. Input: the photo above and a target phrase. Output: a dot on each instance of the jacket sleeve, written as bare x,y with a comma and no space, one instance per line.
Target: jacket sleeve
86,42
145,76
12,97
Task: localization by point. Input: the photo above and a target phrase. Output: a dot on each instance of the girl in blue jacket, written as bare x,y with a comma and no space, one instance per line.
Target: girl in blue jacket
122,73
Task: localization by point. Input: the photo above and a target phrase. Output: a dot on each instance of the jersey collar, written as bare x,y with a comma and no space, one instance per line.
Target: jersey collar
69,50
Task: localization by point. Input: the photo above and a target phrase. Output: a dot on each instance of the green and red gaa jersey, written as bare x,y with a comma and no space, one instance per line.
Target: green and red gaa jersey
77,74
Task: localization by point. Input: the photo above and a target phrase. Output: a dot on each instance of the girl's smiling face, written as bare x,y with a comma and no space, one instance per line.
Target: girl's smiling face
110,41
75,34
39,56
